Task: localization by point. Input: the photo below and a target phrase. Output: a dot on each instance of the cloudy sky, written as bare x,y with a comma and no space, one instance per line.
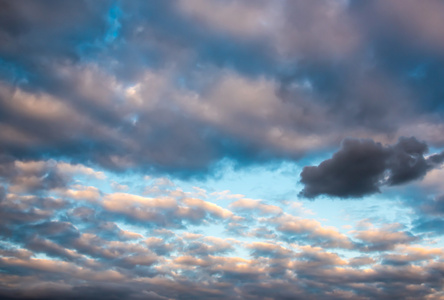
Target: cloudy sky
222,149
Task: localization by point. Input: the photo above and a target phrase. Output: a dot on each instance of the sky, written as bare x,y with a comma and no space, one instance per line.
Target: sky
221,149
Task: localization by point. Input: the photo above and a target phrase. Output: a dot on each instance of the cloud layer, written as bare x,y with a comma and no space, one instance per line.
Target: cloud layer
148,85
120,120
71,240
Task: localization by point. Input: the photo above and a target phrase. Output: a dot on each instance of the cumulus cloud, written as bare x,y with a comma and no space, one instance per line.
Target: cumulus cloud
296,229
380,239
156,247
247,205
361,167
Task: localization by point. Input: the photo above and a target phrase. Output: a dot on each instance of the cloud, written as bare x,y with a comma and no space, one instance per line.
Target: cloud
261,249
110,97
246,205
383,240
209,246
138,244
142,265
434,207
35,176
239,18
296,229
165,211
95,96
361,167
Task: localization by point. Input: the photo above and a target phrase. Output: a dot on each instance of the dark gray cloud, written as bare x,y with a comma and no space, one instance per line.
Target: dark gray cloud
436,158
361,167
355,170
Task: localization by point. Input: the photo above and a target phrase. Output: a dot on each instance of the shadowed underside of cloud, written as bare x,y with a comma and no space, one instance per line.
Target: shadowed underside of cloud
361,167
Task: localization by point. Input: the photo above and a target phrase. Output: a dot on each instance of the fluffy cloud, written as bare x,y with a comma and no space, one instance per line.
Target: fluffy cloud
247,205
127,90
86,234
361,167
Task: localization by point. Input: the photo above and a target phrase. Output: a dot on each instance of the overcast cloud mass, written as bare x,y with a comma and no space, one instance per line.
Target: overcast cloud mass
221,149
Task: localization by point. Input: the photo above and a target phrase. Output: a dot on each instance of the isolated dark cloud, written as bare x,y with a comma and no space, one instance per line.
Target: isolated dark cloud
361,167
354,170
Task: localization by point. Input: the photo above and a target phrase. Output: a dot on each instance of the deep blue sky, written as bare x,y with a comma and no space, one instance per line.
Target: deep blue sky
221,149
